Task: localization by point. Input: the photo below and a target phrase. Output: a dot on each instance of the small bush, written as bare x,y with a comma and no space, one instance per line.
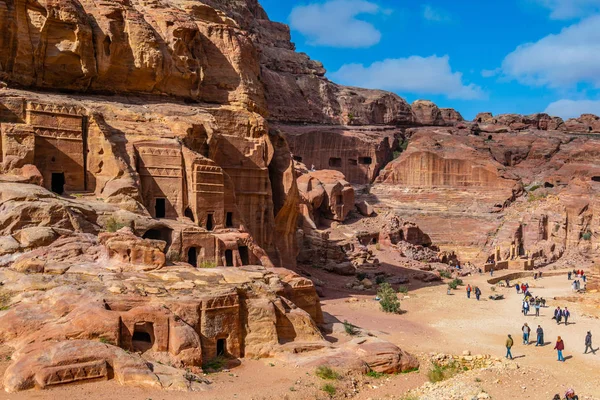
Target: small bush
350,329
378,247
410,397
329,389
325,372
375,374
587,236
360,276
438,373
402,289
104,340
445,274
216,364
389,300
556,227
207,264
112,225
408,371
458,282
534,188
379,279
533,197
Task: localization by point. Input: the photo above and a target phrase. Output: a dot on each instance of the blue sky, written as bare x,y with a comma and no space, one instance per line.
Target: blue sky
503,56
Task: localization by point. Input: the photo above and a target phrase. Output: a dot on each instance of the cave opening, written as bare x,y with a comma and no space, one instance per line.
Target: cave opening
244,255
160,207
58,182
228,258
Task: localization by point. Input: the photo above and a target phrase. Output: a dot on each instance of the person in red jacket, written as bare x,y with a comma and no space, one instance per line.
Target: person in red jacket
559,347
468,291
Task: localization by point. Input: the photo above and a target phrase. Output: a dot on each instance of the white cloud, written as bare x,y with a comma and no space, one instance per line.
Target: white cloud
335,23
568,9
489,73
435,14
573,108
415,74
561,60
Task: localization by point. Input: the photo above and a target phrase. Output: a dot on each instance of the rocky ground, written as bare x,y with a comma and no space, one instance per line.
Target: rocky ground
431,323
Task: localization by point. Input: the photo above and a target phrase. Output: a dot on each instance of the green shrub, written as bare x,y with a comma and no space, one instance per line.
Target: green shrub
325,372
375,374
534,188
329,389
379,279
438,373
216,364
455,283
533,197
207,264
350,329
587,236
112,225
458,282
388,299
445,274
104,340
408,371
402,289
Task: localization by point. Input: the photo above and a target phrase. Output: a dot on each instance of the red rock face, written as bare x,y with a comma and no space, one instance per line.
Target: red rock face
358,153
535,190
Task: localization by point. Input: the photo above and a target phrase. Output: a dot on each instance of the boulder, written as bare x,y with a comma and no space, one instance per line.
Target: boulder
365,208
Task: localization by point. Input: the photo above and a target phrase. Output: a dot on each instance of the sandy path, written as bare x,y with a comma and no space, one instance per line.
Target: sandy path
436,322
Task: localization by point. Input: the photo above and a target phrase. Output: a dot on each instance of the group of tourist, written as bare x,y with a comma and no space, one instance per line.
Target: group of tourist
475,290
559,345
559,315
579,276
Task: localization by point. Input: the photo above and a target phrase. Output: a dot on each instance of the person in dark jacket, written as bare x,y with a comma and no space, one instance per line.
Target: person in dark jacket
566,314
468,291
559,347
540,336
588,343
477,292
557,315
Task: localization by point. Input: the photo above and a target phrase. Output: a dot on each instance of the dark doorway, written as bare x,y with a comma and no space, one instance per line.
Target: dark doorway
160,208
143,336
58,182
221,347
228,258
188,213
210,223
244,255
298,158
365,160
229,220
339,199
162,233
335,162
596,178
193,257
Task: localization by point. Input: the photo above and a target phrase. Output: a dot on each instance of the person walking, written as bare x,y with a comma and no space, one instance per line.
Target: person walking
509,345
526,331
569,275
559,347
525,307
518,287
537,308
558,315
588,343
477,292
492,271
540,336
468,291
566,314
